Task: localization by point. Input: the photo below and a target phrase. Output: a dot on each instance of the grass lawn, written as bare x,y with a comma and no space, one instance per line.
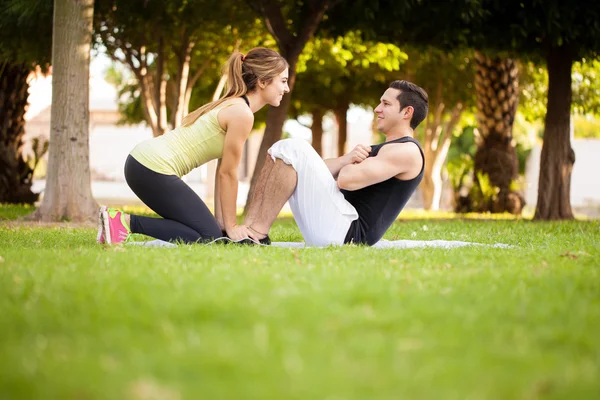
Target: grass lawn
80,321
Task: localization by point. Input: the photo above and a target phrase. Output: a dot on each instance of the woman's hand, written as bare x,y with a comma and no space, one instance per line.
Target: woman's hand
239,232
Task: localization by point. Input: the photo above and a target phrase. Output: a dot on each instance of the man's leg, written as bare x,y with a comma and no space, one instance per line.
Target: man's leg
275,185
320,209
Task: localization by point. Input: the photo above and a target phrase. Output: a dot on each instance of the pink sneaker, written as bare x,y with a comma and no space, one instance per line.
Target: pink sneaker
100,237
116,229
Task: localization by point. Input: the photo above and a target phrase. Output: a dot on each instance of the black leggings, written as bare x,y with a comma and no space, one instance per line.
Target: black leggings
185,217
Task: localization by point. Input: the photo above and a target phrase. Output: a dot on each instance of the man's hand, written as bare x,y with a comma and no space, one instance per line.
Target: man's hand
358,154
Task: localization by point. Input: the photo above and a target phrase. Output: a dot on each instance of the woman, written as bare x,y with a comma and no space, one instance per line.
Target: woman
217,130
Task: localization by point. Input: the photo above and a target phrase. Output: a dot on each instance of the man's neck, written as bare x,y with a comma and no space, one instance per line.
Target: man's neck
398,133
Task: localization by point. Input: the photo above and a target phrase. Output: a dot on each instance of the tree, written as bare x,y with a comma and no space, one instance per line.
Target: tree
169,47
68,193
200,90
497,89
25,46
586,89
333,73
438,62
448,79
561,33
292,24
557,31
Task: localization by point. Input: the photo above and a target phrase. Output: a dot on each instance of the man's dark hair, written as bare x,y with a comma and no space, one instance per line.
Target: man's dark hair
414,96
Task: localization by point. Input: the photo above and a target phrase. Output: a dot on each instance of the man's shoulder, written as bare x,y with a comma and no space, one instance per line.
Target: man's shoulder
404,156
410,148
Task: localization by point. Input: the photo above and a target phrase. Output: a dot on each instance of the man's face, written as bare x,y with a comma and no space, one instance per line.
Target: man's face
388,111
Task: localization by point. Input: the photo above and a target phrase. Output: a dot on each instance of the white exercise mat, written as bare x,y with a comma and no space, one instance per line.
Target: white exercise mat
382,244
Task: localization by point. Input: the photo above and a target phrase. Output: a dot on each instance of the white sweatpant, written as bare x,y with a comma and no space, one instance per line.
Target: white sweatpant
320,209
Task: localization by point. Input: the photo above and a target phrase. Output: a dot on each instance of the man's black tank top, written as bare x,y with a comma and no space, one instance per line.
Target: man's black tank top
379,205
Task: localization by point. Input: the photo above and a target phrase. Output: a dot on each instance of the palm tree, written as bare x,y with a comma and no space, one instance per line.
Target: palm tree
25,44
496,86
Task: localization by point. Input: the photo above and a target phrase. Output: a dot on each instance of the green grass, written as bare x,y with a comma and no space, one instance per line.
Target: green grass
79,321
11,211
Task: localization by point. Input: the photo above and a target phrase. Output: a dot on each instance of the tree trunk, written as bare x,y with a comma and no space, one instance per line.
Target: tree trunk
290,45
436,143
558,157
432,179
276,117
496,85
183,75
191,82
68,194
317,130
219,89
15,173
161,87
140,70
340,115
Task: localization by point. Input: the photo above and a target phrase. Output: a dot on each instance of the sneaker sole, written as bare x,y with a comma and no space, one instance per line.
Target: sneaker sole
105,221
100,225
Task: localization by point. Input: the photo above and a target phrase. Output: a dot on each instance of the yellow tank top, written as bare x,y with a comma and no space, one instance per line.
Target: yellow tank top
179,151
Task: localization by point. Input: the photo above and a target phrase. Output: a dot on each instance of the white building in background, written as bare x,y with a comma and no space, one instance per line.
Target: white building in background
109,142
585,183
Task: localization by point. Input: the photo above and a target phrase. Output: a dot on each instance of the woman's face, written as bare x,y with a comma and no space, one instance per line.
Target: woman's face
273,92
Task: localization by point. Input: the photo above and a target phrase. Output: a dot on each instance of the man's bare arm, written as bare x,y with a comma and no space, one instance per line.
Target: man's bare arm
357,155
392,160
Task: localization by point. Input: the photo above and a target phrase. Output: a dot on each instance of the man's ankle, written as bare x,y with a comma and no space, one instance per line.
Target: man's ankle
259,231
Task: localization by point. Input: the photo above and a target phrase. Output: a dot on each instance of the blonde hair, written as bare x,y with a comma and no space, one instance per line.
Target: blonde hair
243,74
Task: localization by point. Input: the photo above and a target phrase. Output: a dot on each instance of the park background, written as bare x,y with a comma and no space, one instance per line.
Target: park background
152,62
514,94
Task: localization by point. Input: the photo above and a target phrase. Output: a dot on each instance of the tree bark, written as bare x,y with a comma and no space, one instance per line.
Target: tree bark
558,157
317,130
68,194
15,173
183,75
436,143
290,46
431,177
496,85
141,72
341,117
161,87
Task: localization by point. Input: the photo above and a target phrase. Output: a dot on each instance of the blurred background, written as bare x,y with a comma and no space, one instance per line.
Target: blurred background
488,69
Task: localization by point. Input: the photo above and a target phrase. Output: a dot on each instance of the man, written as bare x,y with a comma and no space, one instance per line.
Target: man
354,198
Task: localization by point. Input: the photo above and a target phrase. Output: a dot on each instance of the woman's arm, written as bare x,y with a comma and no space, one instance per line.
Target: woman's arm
238,122
217,200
